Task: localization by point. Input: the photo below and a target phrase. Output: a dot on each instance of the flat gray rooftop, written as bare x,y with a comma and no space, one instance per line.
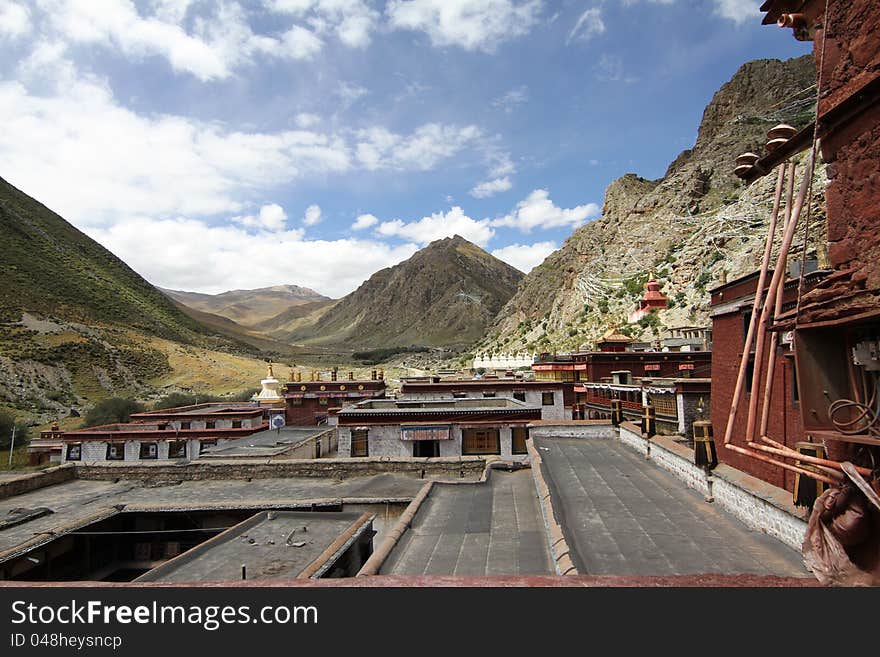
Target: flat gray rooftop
622,515
268,442
78,502
493,528
280,547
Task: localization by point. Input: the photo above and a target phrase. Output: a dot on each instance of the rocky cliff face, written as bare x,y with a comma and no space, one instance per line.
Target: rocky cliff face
444,295
690,229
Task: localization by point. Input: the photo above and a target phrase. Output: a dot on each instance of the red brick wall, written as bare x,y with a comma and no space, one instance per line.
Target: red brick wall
852,58
784,422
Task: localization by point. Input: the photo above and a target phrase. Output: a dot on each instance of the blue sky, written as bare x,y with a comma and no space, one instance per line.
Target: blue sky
224,145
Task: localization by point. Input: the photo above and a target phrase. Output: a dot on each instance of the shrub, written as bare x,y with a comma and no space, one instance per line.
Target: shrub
111,411
7,422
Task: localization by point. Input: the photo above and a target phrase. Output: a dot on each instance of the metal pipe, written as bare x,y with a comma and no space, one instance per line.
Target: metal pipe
769,302
774,338
793,468
788,452
747,347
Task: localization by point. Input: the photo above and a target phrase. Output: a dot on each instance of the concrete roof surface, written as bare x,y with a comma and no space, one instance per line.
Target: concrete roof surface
622,515
485,529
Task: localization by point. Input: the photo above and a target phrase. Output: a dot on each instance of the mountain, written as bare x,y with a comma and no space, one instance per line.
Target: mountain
77,324
690,229
446,294
249,307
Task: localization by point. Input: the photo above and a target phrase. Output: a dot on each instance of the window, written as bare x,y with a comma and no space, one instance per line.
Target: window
74,452
489,393
519,396
185,425
209,424
177,449
459,395
518,436
323,401
236,424
115,451
295,401
205,444
360,444
546,399
149,450
750,372
480,441
795,395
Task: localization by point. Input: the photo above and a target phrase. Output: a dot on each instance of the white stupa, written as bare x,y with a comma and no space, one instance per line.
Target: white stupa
269,394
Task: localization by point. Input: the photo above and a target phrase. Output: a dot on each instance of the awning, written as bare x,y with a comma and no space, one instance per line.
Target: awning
426,433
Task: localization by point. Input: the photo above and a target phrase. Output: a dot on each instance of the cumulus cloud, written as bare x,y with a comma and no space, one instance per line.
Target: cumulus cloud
312,216
352,21
538,211
211,42
589,24
438,226
190,254
271,217
738,11
378,148
306,120
364,221
14,19
91,159
525,257
491,187
469,24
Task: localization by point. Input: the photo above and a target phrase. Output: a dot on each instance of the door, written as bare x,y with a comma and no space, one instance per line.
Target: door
426,448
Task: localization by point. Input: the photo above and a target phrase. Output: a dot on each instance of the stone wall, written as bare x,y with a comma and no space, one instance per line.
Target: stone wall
462,467
33,481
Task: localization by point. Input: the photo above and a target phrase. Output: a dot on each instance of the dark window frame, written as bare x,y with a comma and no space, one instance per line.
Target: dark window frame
548,395
144,449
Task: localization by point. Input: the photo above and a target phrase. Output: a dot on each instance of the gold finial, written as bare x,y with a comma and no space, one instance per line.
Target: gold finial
271,374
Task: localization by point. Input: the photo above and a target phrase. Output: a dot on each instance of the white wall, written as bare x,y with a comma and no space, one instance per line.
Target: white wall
533,397
384,440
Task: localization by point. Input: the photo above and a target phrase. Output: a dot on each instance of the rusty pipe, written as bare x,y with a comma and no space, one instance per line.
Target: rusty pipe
793,468
823,464
774,338
750,334
778,274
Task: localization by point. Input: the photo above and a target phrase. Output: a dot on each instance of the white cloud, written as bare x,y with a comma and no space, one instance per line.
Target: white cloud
192,255
491,187
352,21
349,93
14,19
469,24
738,11
512,99
538,211
364,221
589,24
211,45
306,120
271,217
610,68
438,226
525,257
92,160
378,148
312,216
